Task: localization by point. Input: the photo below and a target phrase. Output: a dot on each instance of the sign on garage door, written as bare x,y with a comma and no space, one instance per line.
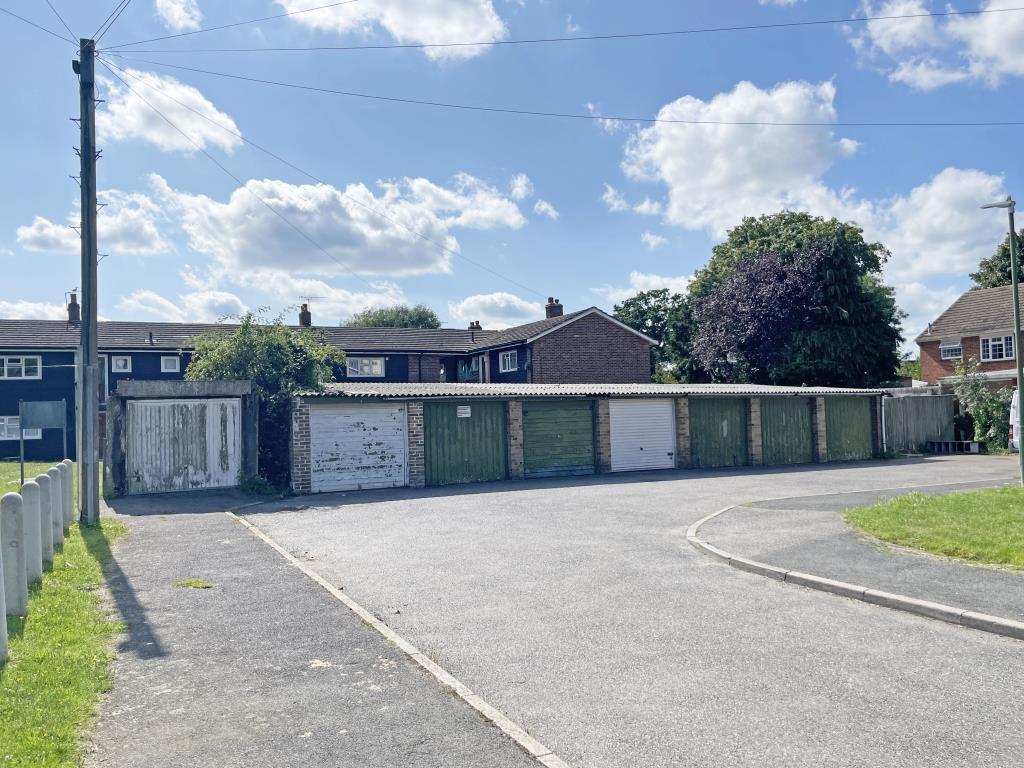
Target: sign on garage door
183,445
464,442
356,446
643,434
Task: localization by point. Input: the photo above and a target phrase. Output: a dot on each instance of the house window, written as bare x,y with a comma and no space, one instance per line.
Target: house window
365,367
170,364
121,364
951,351
9,429
997,348
21,367
509,361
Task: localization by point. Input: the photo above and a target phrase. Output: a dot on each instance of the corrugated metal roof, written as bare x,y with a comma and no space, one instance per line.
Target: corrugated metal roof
365,389
977,311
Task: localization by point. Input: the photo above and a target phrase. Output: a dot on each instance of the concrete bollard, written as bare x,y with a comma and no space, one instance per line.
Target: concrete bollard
33,535
45,519
3,618
69,493
12,542
56,505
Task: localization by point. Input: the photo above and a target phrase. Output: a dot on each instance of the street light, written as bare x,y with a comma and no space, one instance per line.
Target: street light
1008,204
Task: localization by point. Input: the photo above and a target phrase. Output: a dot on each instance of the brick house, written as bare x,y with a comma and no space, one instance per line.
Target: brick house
978,325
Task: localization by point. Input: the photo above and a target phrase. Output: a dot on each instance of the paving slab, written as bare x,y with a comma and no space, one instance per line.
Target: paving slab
810,535
265,668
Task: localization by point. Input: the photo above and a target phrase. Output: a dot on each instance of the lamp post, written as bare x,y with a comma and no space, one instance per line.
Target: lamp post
1008,204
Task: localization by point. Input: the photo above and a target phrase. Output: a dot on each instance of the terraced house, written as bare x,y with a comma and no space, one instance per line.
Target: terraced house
37,358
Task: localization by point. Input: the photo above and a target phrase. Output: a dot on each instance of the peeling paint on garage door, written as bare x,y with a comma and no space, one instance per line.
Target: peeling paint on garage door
183,445
359,445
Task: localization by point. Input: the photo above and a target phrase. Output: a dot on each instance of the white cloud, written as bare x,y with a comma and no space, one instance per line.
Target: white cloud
32,310
652,240
648,207
6,253
428,21
495,310
126,116
241,234
607,124
715,174
641,281
544,208
127,225
178,15
614,200
571,27
195,307
922,305
331,304
926,74
520,187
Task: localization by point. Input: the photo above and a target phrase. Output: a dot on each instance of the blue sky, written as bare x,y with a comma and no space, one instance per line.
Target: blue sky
586,210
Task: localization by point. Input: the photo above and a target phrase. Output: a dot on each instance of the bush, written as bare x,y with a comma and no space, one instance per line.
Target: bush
989,409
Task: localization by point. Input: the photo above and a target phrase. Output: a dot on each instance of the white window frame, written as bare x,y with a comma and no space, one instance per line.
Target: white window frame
364,367
951,351
1005,341
114,360
5,362
508,362
9,429
164,359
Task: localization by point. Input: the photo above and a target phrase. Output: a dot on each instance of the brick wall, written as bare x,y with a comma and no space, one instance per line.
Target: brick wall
820,433
424,368
755,447
683,455
514,425
591,350
933,367
417,462
299,447
604,436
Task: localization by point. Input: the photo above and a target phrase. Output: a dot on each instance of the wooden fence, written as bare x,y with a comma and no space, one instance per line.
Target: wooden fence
910,422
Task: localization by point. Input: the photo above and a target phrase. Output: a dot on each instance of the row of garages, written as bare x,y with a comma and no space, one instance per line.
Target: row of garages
384,436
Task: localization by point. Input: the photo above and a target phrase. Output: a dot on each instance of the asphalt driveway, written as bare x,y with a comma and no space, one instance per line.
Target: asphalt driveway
578,609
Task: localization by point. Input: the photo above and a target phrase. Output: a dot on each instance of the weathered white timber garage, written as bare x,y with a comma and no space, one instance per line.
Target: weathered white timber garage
362,435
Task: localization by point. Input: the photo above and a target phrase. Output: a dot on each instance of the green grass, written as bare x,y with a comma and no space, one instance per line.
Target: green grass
979,527
10,477
194,583
60,656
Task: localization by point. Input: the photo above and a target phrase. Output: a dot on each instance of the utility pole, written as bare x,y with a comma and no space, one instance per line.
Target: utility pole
88,361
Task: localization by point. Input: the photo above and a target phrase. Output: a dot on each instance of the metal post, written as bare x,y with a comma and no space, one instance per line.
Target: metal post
1015,281
88,461
21,442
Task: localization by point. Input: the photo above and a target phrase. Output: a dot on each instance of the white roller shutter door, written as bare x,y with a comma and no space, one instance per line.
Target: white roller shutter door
358,446
643,434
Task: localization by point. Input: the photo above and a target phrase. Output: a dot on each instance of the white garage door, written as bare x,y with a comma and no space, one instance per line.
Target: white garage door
643,434
357,446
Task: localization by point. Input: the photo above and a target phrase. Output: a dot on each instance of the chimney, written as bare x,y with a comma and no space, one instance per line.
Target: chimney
475,326
305,316
553,308
74,309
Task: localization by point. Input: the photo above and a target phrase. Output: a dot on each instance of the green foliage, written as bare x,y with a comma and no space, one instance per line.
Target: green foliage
995,270
193,583
910,368
399,316
667,317
814,312
990,410
279,361
60,655
980,527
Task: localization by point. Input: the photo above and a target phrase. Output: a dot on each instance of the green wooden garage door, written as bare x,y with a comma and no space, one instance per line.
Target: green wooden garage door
558,438
718,431
464,442
787,431
848,428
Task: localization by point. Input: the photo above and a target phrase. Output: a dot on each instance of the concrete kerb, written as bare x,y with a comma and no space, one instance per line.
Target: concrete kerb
952,615
511,729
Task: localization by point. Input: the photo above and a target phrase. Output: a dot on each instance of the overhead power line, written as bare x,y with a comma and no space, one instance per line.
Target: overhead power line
586,115
111,66
61,20
112,21
40,27
118,7
233,24
571,38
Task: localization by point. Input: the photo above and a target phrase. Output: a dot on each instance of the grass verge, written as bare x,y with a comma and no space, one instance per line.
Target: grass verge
979,527
60,656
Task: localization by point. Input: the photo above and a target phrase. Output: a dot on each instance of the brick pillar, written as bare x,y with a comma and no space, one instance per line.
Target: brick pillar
604,437
514,436
876,427
300,453
417,461
683,456
820,433
755,446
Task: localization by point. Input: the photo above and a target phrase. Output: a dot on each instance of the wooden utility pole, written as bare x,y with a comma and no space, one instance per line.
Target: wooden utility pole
88,361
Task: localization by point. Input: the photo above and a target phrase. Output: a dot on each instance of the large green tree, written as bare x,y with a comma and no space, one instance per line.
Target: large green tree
398,316
279,361
995,270
795,299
